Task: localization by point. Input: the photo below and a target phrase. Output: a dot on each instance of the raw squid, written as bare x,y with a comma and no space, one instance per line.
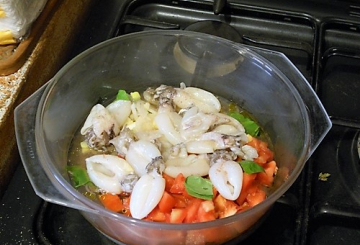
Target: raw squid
120,110
168,124
99,128
191,96
146,195
227,177
210,142
106,172
122,141
140,154
162,97
187,165
166,97
250,152
195,122
229,126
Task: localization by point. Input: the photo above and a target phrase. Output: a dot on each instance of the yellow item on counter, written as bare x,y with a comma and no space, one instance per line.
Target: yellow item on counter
6,37
16,17
2,13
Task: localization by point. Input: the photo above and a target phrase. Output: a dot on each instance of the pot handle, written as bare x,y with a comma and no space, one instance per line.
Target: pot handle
25,115
320,123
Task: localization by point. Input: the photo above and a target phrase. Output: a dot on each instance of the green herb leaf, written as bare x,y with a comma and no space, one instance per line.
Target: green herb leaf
122,95
250,126
251,167
79,175
199,187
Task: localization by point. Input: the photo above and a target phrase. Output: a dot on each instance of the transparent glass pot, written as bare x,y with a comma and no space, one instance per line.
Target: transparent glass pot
263,82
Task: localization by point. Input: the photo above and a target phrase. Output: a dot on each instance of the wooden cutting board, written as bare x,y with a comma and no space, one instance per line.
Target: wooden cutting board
13,56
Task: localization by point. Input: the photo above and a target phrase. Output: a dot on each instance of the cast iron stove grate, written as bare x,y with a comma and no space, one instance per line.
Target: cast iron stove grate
321,39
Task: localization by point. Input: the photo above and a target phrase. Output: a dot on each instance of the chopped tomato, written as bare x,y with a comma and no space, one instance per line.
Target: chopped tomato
248,181
256,197
244,206
231,208
177,215
219,203
262,159
206,211
251,188
224,207
267,178
177,206
156,215
167,202
178,186
241,199
254,142
265,154
180,201
169,181
111,202
192,210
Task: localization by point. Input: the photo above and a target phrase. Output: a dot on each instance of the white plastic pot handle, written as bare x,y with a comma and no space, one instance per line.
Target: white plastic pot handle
25,115
320,122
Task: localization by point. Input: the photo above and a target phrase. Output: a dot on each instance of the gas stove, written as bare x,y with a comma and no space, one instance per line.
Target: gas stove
320,37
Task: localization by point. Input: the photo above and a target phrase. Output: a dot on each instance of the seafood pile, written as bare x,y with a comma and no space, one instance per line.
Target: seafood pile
165,131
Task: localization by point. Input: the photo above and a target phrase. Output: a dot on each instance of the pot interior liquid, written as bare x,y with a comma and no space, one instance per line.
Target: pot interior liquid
78,153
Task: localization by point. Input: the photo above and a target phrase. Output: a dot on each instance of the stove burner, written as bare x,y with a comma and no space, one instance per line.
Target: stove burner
216,28
197,56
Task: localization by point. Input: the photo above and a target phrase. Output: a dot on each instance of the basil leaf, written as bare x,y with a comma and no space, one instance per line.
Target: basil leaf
122,95
199,187
79,175
251,167
250,126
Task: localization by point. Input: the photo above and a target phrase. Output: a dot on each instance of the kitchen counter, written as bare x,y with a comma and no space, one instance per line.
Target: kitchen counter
50,53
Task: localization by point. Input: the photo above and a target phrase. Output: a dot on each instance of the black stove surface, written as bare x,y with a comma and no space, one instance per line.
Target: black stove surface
321,38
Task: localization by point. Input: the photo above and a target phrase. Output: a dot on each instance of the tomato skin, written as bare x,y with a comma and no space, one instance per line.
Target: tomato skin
167,202
248,181
241,199
178,186
192,210
169,181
